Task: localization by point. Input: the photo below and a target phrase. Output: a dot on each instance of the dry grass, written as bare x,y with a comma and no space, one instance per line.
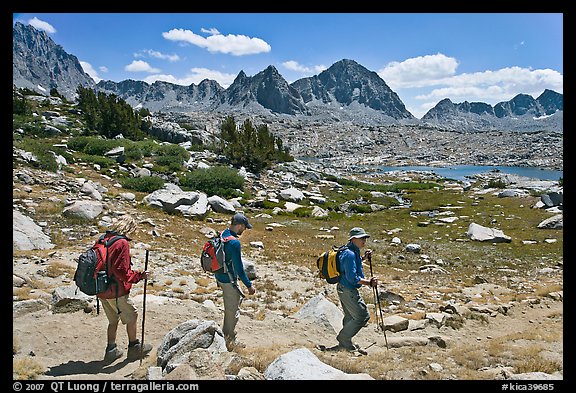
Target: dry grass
26,368
260,358
471,357
56,269
22,293
545,290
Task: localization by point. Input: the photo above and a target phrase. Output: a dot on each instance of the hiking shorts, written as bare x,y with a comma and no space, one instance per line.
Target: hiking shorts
127,310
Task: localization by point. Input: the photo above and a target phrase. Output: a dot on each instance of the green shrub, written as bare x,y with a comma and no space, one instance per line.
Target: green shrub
303,212
170,150
92,145
218,180
394,187
356,208
168,164
170,158
21,106
132,152
143,184
43,152
496,183
104,162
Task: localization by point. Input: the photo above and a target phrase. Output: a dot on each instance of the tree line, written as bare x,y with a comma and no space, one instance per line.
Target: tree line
247,145
110,116
255,148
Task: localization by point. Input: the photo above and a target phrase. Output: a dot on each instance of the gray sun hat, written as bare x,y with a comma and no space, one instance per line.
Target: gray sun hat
240,218
358,233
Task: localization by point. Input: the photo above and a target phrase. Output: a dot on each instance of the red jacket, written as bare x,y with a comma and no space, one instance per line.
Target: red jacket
119,268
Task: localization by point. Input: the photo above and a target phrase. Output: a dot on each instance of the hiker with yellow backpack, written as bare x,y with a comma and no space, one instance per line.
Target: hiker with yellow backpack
351,277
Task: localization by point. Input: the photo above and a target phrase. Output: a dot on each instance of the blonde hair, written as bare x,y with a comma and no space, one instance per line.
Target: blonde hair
124,225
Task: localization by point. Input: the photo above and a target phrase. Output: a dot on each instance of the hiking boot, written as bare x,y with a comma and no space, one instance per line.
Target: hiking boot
113,354
137,350
232,344
348,346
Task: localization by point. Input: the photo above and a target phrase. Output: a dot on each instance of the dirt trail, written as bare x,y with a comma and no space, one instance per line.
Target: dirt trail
71,345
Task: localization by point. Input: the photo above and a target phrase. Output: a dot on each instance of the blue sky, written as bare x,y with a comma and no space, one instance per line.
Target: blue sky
423,57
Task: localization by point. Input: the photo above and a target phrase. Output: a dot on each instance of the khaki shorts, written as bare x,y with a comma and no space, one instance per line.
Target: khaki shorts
127,310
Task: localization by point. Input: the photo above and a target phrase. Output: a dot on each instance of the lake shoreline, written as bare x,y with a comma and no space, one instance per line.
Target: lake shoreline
546,170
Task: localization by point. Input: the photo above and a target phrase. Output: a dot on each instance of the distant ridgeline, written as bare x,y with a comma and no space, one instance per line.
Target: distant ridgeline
346,91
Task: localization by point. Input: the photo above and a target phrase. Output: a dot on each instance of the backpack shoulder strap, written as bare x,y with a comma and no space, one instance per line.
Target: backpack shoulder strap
113,239
228,238
106,244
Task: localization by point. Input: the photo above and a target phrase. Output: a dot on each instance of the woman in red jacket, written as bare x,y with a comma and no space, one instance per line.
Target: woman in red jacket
115,301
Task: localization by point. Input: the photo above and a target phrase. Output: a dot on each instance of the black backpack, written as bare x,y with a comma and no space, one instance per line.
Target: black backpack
87,278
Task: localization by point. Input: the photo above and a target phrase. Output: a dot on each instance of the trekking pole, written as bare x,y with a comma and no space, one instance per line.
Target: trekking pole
144,309
378,300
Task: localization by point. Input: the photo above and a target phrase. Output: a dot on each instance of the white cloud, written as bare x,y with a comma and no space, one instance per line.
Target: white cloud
418,71
140,66
211,31
41,25
293,65
237,45
87,67
157,55
495,86
103,69
197,76
434,78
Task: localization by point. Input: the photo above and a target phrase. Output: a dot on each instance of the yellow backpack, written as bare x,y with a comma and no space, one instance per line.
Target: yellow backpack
329,265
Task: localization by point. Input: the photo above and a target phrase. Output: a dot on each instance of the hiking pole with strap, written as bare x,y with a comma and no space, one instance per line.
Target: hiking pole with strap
378,300
144,309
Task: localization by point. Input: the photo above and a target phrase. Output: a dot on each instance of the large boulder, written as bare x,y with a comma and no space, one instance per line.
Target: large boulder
27,235
302,364
179,345
484,234
323,312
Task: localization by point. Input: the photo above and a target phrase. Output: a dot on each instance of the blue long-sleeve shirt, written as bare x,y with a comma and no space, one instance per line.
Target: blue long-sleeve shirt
351,267
232,251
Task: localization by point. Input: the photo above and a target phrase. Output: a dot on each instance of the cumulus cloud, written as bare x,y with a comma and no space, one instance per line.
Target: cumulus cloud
293,65
157,55
87,67
196,76
419,71
237,45
42,25
494,86
140,66
434,78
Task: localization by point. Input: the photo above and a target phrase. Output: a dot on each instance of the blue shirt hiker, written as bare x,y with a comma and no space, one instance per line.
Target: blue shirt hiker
231,293
356,314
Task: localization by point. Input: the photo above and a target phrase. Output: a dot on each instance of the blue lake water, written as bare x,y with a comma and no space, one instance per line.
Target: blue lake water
459,172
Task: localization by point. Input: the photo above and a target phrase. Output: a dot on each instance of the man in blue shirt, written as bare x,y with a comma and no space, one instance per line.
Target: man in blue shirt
356,314
231,292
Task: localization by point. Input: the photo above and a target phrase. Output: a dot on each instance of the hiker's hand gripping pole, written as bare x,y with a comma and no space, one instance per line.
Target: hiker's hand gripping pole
377,295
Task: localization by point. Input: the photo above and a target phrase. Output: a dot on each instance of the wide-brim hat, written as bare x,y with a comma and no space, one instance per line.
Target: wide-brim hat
358,233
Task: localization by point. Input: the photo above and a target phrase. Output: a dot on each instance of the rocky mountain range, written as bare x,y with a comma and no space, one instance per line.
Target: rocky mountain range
521,113
40,64
346,91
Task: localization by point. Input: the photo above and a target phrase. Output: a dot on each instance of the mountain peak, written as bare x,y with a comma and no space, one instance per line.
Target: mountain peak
41,65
